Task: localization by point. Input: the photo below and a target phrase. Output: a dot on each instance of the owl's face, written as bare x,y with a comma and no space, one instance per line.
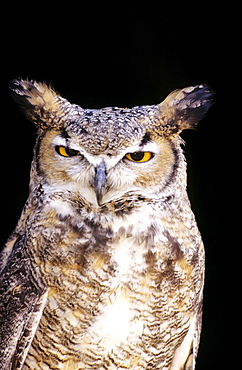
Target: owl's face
144,167
103,154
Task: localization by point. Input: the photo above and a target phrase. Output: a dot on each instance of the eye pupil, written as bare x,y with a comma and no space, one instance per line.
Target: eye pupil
137,156
66,152
71,152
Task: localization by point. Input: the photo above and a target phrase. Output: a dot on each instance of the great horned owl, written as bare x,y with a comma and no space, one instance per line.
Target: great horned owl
105,268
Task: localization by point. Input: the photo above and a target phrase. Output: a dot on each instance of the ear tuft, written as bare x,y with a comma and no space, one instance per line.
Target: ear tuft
183,109
40,103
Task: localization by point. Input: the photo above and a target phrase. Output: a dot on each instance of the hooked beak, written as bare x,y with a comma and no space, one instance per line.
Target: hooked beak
100,181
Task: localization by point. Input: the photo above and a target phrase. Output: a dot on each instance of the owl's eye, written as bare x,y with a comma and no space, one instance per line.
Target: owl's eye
139,156
66,152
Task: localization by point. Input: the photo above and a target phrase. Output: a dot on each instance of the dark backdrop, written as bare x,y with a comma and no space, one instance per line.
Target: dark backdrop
122,54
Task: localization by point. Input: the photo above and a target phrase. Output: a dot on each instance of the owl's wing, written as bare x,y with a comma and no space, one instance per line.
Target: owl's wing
22,300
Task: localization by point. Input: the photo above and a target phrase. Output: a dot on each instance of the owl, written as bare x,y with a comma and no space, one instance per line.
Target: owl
105,269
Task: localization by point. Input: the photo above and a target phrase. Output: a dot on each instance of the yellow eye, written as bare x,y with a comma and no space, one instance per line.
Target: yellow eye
66,152
139,156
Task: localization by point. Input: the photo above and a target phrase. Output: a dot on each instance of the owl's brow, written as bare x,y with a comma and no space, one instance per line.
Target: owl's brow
64,134
146,138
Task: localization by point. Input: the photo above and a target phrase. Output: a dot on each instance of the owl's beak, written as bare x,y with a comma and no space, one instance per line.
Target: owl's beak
100,181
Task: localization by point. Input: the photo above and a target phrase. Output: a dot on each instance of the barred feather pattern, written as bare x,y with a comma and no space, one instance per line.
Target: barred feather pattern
110,302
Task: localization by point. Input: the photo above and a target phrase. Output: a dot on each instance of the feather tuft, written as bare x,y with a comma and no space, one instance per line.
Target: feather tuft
40,103
183,109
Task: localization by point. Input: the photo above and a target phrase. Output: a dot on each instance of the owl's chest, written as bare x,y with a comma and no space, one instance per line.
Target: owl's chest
109,283
89,265
98,289
93,257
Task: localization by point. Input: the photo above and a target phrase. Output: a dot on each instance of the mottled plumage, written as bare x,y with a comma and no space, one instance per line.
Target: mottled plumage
105,268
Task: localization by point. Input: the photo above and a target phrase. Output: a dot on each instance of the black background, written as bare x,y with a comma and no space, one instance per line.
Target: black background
119,54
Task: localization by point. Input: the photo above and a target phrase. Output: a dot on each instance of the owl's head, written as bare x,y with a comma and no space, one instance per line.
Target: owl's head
104,154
